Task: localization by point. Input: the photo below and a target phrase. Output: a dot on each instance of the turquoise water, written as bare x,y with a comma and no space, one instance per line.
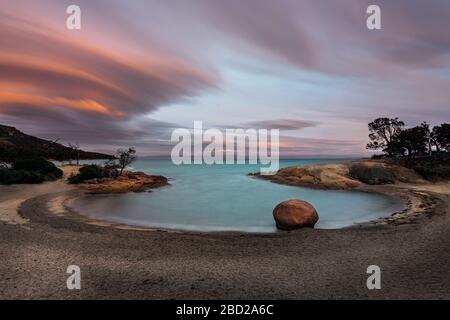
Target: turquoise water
224,198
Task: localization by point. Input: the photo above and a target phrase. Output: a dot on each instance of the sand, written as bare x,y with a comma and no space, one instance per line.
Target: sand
11,197
40,237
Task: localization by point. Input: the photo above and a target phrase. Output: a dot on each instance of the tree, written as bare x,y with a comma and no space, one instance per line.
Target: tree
441,136
428,136
383,132
125,158
414,141
75,149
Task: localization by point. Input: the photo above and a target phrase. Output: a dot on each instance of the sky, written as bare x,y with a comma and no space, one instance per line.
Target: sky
139,69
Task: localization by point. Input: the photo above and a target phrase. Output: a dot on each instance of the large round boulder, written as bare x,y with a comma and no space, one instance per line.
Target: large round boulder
295,214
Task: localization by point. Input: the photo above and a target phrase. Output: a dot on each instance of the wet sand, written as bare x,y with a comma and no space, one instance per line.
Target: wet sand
40,236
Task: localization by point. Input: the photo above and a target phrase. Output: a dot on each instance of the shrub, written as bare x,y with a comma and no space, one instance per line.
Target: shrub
8,176
29,171
111,169
40,165
433,168
376,174
88,172
434,173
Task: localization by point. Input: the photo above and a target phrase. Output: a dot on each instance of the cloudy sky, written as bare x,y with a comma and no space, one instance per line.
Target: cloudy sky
139,69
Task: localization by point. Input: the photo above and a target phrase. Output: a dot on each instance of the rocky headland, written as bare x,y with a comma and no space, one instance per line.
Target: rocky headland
345,175
127,182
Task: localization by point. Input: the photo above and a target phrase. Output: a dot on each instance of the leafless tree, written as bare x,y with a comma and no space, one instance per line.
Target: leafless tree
75,149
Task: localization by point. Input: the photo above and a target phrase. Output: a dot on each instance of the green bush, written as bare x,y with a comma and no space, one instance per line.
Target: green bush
434,173
372,175
8,176
89,172
30,171
432,168
37,164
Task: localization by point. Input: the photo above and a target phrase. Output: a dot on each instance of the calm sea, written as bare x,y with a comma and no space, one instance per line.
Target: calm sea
224,198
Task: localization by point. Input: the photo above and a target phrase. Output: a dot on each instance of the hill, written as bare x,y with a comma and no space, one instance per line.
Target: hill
15,144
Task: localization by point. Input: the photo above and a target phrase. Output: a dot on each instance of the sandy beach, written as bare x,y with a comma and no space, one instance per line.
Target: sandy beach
40,236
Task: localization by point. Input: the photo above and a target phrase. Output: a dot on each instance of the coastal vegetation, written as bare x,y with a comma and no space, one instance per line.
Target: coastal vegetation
27,159
112,177
421,148
396,141
410,155
125,158
93,172
31,171
112,169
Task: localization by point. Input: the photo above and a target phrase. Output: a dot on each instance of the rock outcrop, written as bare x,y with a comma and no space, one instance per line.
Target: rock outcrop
344,175
127,182
321,176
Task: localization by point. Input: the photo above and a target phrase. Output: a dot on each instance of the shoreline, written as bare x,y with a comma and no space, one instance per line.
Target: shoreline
123,262
404,196
415,203
413,206
405,212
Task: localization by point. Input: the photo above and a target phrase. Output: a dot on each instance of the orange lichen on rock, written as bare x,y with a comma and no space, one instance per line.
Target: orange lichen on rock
127,182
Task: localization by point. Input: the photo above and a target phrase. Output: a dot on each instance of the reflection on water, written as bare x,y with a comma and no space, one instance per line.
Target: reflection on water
224,198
